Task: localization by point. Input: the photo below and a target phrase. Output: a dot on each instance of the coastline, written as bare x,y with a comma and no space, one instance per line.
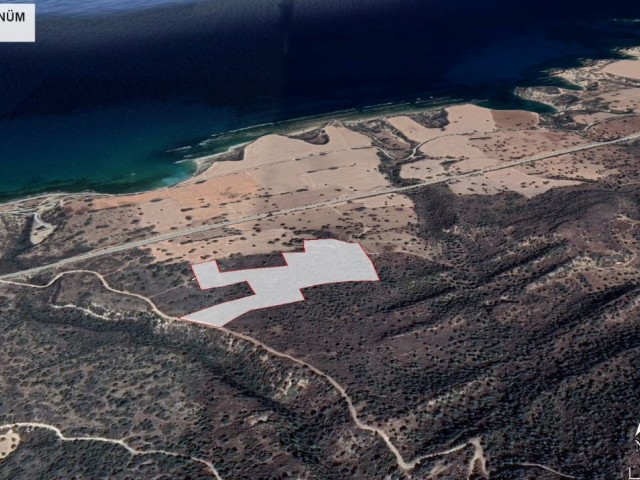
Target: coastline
474,150
116,132
224,144
297,126
471,148
228,142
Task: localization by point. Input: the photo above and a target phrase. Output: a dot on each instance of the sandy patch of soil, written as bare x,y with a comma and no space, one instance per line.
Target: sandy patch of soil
348,170
622,101
570,167
448,156
187,205
276,173
479,138
387,224
244,240
624,68
413,130
463,119
9,441
40,230
427,169
529,180
277,148
519,144
591,118
380,224
614,128
469,119
515,119
510,179
458,149
452,148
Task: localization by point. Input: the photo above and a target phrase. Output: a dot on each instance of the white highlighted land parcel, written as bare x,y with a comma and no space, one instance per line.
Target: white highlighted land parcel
322,262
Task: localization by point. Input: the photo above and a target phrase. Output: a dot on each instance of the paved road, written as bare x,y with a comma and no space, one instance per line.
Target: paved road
340,200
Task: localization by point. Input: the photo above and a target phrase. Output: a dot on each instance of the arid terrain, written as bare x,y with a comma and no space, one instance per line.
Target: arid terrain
501,342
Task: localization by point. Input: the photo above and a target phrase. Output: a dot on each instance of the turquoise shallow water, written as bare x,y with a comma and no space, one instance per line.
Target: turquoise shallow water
110,87
113,149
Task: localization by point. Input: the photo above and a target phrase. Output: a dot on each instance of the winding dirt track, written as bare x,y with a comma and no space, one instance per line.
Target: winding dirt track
406,465
403,464
112,441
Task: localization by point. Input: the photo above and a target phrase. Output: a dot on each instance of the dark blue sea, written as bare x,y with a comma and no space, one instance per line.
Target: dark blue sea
112,88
